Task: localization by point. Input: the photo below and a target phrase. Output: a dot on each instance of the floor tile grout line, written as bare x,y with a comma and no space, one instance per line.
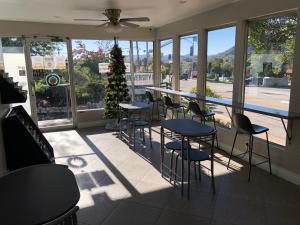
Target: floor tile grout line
110,214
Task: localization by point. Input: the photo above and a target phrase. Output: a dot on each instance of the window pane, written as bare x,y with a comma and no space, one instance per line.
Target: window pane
90,59
166,62
269,69
220,63
188,63
143,66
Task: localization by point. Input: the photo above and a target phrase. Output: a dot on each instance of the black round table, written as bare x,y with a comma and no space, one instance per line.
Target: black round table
37,194
186,128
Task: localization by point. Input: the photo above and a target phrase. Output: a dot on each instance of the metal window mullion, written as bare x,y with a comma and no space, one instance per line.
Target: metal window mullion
132,70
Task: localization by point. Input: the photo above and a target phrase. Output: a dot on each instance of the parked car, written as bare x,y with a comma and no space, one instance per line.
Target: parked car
184,76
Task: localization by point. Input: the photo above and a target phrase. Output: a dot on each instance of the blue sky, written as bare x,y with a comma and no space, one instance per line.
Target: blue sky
217,41
220,40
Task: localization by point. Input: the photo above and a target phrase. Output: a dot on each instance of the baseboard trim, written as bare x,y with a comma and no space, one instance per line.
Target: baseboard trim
100,123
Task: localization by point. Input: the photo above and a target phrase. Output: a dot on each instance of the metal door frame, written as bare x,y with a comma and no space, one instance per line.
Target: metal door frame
30,80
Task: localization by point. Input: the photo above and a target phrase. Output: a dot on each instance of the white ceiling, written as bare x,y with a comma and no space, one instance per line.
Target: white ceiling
160,12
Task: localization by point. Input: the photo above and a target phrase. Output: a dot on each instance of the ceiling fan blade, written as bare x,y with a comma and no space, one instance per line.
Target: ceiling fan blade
137,19
88,20
102,25
133,25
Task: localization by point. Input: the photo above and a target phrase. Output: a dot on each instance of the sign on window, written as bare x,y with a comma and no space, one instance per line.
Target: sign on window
103,67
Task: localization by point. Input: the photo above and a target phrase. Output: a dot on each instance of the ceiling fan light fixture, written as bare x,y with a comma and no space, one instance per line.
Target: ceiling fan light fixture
113,28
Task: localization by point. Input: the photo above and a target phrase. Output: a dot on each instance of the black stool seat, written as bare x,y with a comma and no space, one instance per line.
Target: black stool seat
138,123
177,105
244,126
259,129
175,145
207,113
196,155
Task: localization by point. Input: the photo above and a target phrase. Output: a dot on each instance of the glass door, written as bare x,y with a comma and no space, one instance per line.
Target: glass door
50,80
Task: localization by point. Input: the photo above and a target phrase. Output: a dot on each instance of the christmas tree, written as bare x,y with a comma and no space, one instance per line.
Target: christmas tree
116,90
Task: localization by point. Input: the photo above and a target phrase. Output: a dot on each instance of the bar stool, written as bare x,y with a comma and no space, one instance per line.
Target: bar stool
244,126
197,156
169,104
150,98
202,115
175,146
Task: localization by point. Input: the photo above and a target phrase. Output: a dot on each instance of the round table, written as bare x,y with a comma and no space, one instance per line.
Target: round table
37,194
186,128
135,105
132,108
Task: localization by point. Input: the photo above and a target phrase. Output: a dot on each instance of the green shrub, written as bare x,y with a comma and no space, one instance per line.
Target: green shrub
209,92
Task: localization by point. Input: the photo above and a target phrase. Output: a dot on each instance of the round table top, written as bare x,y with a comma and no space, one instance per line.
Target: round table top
187,127
37,194
135,105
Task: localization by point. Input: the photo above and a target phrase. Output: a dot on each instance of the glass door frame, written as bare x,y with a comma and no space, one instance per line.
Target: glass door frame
32,96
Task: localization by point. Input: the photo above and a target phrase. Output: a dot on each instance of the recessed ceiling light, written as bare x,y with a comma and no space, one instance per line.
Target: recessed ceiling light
182,1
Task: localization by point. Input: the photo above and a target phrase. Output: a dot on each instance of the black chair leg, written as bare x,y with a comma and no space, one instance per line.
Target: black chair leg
195,170
236,133
158,113
250,156
268,146
199,170
133,138
175,173
216,133
171,166
143,132
150,136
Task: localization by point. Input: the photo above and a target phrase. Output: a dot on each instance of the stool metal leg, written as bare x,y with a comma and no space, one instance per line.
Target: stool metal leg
182,165
171,166
175,173
150,136
158,113
216,133
199,170
133,138
268,146
212,165
162,145
189,170
236,133
195,170
250,156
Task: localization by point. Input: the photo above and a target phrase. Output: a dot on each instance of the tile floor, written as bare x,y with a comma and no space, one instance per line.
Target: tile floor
121,187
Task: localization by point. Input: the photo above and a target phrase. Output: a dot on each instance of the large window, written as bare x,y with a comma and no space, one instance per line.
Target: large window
269,69
143,66
91,58
220,63
188,63
166,62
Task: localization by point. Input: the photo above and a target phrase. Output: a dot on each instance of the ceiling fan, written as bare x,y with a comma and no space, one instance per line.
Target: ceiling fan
114,23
